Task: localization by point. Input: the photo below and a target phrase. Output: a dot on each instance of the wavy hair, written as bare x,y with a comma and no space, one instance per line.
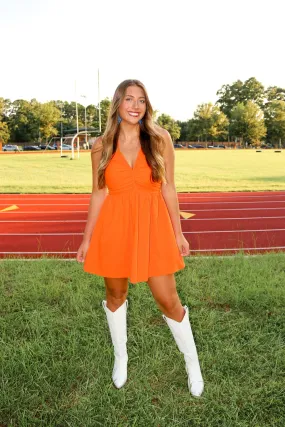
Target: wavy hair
151,139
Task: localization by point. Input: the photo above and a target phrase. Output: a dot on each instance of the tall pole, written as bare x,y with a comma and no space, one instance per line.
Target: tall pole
99,105
61,132
85,128
77,127
85,107
61,120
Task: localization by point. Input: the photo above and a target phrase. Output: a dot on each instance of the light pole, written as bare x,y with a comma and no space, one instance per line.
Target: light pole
61,129
99,104
77,127
85,106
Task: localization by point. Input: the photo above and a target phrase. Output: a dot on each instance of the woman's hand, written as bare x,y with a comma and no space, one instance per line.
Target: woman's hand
183,245
81,253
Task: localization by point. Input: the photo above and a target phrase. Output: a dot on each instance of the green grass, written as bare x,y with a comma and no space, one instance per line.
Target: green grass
210,170
56,356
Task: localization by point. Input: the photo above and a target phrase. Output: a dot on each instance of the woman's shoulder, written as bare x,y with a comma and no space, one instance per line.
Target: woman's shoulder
98,145
166,139
162,132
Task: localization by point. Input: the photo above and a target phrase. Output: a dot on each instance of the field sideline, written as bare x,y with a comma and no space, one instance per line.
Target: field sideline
196,171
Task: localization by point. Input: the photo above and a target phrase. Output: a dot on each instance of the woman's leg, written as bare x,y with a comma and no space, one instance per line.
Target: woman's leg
115,308
164,291
116,292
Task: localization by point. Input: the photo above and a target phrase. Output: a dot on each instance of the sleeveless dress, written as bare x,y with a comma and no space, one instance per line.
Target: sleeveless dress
133,236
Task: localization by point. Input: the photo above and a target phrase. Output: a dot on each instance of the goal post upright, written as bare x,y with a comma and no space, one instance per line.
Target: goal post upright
99,102
78,132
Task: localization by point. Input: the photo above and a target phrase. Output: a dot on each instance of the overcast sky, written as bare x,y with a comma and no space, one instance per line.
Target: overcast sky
183,51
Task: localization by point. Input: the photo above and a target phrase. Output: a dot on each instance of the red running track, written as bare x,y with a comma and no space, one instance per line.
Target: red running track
223,223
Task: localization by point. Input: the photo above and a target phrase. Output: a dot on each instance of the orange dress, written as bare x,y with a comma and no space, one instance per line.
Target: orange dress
133,236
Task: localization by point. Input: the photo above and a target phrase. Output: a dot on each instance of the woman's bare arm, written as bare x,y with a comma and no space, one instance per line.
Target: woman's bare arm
97,196
168,189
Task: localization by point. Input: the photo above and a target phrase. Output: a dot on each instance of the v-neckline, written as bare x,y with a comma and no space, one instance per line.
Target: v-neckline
135,162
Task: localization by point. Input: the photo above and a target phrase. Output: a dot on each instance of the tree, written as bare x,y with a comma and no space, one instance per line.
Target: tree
68,116
275,121
30,121
5,107
91,114
170,125
4,130
247,122
209,122
239,92
274,93
47,115
195,131
68,123
23,124
183,130
253,90
105,105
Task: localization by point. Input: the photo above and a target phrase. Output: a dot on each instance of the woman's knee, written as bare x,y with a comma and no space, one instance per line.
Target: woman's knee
116,292
169,305
164,291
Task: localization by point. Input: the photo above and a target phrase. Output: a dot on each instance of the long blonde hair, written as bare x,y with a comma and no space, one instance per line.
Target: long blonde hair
151,139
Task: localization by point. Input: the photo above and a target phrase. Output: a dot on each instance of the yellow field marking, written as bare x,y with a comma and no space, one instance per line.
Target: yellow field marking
186,215
10,208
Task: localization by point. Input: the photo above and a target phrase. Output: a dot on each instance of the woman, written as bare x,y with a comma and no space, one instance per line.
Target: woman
133,231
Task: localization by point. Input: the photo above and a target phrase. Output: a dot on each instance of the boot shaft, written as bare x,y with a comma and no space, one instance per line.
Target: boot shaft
117,322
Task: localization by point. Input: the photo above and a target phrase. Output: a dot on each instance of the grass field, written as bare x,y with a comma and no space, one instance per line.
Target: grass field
56,356
205,170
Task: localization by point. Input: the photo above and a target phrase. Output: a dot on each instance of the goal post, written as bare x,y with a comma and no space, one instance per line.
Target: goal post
76,137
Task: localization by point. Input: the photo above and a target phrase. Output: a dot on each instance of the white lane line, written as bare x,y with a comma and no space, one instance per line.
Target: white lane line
246,196
60,221
74,259
227,193
185,232
42,212
191,250
222,210
214,193
234,231
229,202
52,204
38,253
60,194
39,259
35,199
192,203
192,219
41,234
185,210
223,219
237,249
186,196
221,199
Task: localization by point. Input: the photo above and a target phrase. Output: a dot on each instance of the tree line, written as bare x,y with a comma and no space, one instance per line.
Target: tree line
32,121
245,111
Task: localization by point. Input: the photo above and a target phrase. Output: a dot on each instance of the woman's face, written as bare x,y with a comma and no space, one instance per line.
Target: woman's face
133,105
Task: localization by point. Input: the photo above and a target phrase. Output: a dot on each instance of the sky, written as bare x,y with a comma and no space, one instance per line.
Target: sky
183,50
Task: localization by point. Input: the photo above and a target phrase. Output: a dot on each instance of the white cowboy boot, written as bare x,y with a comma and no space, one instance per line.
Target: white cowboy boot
117,322
183,336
